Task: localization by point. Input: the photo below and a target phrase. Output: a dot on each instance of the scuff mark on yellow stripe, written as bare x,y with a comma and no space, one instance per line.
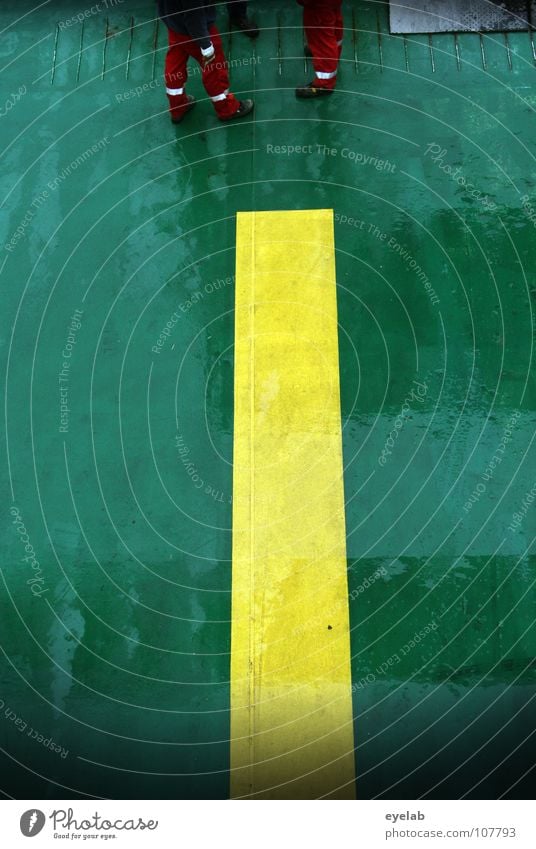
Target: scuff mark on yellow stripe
291,711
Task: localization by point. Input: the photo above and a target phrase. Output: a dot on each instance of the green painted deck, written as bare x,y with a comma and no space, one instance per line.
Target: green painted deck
120,654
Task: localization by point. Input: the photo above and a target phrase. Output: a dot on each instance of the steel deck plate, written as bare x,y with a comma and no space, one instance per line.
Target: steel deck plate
420,16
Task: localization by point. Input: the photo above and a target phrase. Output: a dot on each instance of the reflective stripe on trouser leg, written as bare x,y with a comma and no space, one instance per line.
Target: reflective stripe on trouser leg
219,97
322,75
174,91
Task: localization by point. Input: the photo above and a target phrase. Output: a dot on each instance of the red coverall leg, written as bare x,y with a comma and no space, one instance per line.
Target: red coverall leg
323,24
214,76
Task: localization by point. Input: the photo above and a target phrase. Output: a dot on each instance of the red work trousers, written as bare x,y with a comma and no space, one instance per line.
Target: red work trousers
214,76
323,24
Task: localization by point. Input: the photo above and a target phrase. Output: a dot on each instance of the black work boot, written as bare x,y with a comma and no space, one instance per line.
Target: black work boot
311,90
246,106
245,25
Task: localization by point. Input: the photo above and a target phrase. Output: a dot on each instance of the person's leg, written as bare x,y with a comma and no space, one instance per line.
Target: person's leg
176,74
237,10
238,17
322,23
216,79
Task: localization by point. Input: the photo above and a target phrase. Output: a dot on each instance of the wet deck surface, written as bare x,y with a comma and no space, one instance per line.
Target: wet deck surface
118,287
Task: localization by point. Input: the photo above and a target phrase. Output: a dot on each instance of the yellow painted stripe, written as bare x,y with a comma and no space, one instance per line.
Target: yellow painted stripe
291,712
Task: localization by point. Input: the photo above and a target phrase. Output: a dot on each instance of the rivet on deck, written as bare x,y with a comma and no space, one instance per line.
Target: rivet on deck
127,71
483,52
457,50
80,48
380,47
279,55
230,47
508,51
355,36
531,36
104,46
431,49
155,46
54,55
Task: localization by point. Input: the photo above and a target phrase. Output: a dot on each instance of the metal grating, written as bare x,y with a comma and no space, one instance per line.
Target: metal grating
424,16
